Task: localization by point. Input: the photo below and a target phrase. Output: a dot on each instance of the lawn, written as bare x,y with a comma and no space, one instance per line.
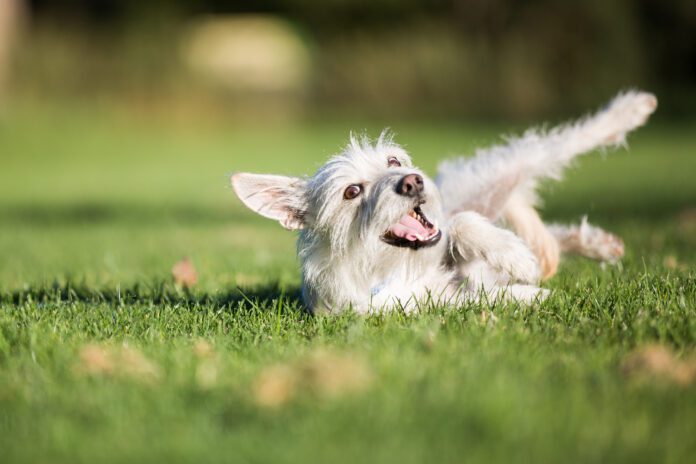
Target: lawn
104,359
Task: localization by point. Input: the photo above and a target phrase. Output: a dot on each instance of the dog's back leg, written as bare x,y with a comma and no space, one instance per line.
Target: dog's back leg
486,182
549,241
525,221
587,240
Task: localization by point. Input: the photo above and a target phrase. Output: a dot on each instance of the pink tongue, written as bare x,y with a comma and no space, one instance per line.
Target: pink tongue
409,228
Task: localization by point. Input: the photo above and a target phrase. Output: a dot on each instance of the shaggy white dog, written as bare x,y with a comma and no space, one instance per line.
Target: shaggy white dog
377,234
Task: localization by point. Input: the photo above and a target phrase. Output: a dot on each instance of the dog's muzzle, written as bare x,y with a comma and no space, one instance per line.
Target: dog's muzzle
414,231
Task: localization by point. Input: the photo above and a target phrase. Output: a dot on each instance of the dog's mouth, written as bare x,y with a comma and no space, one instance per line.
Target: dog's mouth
413,231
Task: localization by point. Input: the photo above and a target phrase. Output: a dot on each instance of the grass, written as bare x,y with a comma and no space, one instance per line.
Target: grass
103,359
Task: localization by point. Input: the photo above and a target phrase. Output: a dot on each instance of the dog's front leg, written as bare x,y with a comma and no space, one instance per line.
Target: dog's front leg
472,236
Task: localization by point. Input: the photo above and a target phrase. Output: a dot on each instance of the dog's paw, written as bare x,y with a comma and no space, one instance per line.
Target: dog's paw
634,108
514,258
612,248
629,111
600,244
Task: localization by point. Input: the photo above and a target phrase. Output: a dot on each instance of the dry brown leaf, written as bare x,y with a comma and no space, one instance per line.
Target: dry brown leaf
657,362
123,362
203,349
184,273
275,386
95,360
322,373
333,375
670,262
134,364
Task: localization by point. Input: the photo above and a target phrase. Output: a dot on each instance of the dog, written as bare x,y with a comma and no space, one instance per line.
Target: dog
376,234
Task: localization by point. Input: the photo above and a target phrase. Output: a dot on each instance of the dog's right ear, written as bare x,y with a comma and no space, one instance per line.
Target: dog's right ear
275,197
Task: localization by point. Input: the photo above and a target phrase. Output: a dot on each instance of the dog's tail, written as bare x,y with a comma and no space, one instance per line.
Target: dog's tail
487,182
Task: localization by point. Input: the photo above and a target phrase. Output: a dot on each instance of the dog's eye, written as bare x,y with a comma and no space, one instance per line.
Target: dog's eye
352,191
393,162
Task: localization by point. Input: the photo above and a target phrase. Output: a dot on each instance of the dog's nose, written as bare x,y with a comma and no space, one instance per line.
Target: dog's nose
410,185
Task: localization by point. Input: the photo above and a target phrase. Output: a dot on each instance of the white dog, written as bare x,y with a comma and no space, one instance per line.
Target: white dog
376,233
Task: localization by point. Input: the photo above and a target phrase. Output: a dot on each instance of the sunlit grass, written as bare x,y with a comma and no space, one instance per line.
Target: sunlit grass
104,359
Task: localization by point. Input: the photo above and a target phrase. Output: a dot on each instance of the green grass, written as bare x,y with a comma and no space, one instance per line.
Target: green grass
95,210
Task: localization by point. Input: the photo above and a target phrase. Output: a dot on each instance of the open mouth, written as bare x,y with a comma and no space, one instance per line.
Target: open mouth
413,231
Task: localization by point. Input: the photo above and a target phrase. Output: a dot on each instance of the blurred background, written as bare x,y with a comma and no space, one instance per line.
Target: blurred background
383,58
120,119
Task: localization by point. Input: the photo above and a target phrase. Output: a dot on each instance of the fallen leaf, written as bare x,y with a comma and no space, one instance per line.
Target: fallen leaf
203,349
670,262
95,360
123,362
184,273
134,364
334,375
275,386
657,362
322,374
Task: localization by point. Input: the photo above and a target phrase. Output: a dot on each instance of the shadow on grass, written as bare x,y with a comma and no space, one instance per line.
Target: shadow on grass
263,297
115,212
649,205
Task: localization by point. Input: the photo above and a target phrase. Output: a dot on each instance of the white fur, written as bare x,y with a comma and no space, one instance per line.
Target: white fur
486,182
589,241
345,263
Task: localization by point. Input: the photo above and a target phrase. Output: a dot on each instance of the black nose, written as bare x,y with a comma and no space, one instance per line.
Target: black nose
410,185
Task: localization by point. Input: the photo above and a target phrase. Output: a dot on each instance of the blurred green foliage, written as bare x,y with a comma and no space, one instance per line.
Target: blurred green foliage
483,58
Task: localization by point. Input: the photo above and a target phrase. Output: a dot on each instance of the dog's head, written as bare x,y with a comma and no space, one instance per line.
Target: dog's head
369,196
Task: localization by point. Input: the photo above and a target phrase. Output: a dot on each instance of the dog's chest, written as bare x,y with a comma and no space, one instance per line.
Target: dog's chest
402,288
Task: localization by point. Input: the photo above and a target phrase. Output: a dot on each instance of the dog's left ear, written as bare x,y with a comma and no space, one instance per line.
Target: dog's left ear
275,197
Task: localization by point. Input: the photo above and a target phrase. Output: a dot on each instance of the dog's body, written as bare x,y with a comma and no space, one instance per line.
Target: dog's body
370,234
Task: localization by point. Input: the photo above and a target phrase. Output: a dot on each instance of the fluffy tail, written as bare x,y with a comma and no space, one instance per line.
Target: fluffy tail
486,182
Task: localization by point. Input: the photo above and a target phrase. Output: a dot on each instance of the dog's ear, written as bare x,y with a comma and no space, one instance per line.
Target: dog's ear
275,197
